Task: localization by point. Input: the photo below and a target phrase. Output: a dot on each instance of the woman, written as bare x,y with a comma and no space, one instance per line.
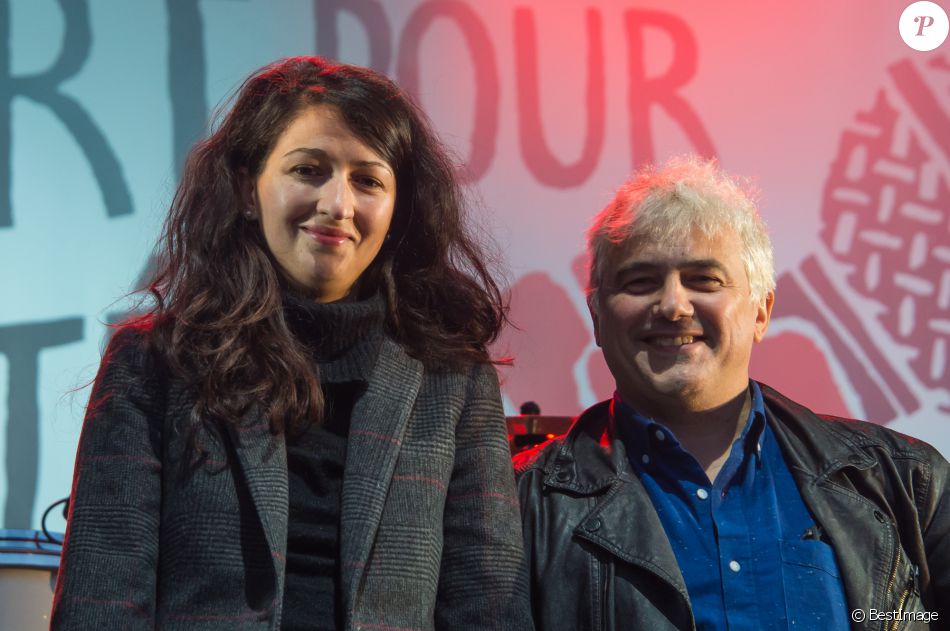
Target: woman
305,432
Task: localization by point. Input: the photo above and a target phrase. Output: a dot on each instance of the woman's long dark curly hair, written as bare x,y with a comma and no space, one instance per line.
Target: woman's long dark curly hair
218,317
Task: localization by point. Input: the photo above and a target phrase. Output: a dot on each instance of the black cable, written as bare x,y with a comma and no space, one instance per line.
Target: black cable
49,536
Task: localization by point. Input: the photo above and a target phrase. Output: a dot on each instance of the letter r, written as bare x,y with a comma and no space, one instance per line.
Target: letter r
45,89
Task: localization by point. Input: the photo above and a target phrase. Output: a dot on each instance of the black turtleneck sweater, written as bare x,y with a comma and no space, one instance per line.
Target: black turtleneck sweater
344,339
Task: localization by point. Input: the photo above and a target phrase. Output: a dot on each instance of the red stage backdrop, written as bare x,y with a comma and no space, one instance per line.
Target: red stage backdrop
549,105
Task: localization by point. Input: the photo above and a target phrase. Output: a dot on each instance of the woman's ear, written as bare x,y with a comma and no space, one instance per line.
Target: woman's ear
248,194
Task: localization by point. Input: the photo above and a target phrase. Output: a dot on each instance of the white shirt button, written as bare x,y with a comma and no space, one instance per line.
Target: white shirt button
660,435
734,566
646,459
702,494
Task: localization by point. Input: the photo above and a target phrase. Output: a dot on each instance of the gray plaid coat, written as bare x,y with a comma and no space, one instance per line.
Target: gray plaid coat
430,532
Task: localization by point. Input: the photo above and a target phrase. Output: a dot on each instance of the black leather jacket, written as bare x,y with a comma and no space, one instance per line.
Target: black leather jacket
599,558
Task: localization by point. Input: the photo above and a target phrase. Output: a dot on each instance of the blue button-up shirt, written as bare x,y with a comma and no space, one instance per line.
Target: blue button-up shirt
750,552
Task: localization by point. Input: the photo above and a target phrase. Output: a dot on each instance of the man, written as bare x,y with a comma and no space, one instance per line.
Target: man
697,498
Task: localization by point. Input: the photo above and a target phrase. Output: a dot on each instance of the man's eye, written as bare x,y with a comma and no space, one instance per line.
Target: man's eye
639,284
706,281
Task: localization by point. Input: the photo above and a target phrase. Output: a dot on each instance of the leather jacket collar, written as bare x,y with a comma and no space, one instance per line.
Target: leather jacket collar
593,440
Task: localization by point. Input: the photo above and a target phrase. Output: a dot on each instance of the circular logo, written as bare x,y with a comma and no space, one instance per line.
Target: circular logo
857,615
924,26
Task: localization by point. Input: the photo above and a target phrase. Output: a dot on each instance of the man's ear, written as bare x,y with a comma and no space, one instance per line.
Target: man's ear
594,317
763,315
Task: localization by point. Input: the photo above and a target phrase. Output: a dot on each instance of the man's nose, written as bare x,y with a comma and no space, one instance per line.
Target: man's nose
674,300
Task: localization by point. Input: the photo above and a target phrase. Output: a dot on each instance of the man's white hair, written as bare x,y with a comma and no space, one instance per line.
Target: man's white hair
665,205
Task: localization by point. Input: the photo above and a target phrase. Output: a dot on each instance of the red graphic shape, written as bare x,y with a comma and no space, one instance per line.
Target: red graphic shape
546,341
796,366
580,267
601,381
886,210
793,300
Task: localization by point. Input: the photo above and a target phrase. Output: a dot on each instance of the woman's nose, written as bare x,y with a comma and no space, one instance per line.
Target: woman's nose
338,200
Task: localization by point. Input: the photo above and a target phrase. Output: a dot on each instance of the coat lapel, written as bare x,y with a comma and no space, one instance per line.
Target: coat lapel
840,511
262,458
623,521
818,459
625,524
376,434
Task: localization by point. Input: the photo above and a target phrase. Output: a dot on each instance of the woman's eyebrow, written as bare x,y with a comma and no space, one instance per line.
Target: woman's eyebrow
322,155
310,151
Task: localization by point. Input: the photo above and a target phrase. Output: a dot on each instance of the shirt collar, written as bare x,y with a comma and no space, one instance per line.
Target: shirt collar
754,430
648,441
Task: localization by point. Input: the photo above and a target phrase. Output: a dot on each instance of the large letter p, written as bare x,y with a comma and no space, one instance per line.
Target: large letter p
924,21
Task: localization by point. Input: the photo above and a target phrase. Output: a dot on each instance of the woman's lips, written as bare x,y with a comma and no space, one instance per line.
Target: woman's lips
327,236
